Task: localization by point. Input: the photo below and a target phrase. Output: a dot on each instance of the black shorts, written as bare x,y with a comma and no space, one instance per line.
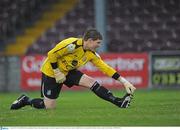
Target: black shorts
51,89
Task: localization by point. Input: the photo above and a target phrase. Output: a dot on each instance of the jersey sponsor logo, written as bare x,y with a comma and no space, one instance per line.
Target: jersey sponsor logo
71,47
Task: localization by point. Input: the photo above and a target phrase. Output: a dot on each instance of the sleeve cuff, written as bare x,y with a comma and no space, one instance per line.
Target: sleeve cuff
115,76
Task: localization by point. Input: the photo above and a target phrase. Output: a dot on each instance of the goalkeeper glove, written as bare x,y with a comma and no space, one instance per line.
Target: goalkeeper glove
59,76
128,86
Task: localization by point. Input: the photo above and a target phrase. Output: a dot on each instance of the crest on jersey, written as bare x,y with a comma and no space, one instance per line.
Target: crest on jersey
71,47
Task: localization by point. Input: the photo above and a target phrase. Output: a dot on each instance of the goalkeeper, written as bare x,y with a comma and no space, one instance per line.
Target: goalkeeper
61,67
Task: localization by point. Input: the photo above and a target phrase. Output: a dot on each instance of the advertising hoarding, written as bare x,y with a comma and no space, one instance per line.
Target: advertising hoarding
132,66
165,69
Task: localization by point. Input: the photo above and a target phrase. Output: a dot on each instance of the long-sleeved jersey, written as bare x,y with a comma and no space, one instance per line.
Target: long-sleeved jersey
69,54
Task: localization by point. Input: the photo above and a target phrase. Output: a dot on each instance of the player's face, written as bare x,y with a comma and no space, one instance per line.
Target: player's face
94,44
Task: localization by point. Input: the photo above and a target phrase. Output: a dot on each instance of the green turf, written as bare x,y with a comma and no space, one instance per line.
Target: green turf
149,108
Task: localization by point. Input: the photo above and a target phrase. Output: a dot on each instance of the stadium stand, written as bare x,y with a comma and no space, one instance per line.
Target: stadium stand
17,15
154,24
132,26
46,21
74,23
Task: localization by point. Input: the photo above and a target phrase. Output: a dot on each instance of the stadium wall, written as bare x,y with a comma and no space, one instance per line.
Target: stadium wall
10,74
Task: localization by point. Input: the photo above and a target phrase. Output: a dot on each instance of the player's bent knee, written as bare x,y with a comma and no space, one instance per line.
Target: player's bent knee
50,103
87,81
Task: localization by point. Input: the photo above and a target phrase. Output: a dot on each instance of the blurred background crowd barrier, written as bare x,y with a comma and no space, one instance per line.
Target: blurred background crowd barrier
151,28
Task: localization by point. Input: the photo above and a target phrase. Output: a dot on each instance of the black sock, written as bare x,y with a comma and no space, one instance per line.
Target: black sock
102,92
38,103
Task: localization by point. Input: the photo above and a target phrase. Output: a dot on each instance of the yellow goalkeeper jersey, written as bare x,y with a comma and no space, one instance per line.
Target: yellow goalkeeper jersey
69,54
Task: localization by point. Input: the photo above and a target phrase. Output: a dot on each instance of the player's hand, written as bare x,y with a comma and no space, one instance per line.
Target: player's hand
59,76
128,86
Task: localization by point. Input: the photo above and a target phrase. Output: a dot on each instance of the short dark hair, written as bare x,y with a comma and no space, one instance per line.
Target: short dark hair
93,34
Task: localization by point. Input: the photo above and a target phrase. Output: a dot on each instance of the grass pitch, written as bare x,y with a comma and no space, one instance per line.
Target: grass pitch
83,108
